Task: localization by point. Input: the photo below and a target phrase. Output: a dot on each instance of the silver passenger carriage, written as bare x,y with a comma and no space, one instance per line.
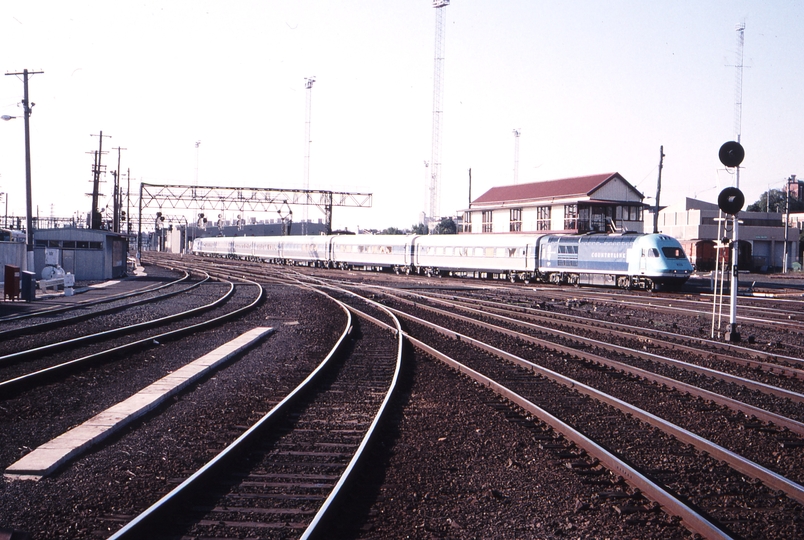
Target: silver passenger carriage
373,252
511,256
306,250
214,246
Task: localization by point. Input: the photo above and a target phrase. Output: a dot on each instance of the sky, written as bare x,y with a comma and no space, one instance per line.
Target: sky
592,86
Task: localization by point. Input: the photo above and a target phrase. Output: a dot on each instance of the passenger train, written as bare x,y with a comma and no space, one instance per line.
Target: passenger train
627,260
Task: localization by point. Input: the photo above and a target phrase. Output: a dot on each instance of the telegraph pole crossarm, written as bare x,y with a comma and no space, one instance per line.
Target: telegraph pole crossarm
95,217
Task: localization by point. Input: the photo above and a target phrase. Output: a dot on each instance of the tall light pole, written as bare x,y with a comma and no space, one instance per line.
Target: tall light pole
434,209
27,106
197,154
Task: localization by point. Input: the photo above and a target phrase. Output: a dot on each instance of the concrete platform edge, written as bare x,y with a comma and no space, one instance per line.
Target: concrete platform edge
48,457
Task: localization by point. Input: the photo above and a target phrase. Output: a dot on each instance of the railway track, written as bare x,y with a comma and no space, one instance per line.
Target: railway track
38,322
776,313
664,457
732,484
284,475
35,365
92,298
705,447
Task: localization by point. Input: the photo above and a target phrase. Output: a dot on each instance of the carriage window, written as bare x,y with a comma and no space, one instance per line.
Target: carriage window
653,252
673,253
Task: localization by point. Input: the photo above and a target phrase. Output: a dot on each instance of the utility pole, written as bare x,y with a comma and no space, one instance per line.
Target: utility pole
658,191
117,201
470,186
128,201
27,110
95,217
785,263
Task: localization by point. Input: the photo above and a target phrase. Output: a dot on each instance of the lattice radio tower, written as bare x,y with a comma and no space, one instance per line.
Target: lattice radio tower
438,94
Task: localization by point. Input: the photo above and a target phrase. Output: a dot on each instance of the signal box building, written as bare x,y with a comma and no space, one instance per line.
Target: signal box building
597,203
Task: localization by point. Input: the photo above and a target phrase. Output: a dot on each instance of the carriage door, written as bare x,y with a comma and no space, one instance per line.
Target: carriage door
643,260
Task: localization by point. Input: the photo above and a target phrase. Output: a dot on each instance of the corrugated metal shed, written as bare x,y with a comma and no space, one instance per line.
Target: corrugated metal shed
90,255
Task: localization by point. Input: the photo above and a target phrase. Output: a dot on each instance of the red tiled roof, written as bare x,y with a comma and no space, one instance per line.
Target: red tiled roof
566,187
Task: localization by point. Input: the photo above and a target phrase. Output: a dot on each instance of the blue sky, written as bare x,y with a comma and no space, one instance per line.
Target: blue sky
593,87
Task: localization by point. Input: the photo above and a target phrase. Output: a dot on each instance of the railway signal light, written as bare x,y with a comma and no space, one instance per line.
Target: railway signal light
731,200
731,154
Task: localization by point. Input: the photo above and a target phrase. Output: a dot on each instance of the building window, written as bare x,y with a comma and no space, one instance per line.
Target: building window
516,220
543,218
487,220
570,216
467,222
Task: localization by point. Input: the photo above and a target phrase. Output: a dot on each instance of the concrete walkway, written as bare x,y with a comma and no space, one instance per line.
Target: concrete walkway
50,456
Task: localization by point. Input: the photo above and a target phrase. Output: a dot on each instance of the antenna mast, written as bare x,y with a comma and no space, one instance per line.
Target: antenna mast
308,84
438,94
516,156
738,89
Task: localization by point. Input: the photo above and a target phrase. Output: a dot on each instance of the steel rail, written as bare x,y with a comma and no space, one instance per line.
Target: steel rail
796,326
107,334
325,512
627,351
10,383
767,416
84,303
149,519
672,505
737,462
693,520
629,330
39,327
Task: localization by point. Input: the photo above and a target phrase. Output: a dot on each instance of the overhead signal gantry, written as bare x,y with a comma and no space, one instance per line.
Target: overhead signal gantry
243,199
